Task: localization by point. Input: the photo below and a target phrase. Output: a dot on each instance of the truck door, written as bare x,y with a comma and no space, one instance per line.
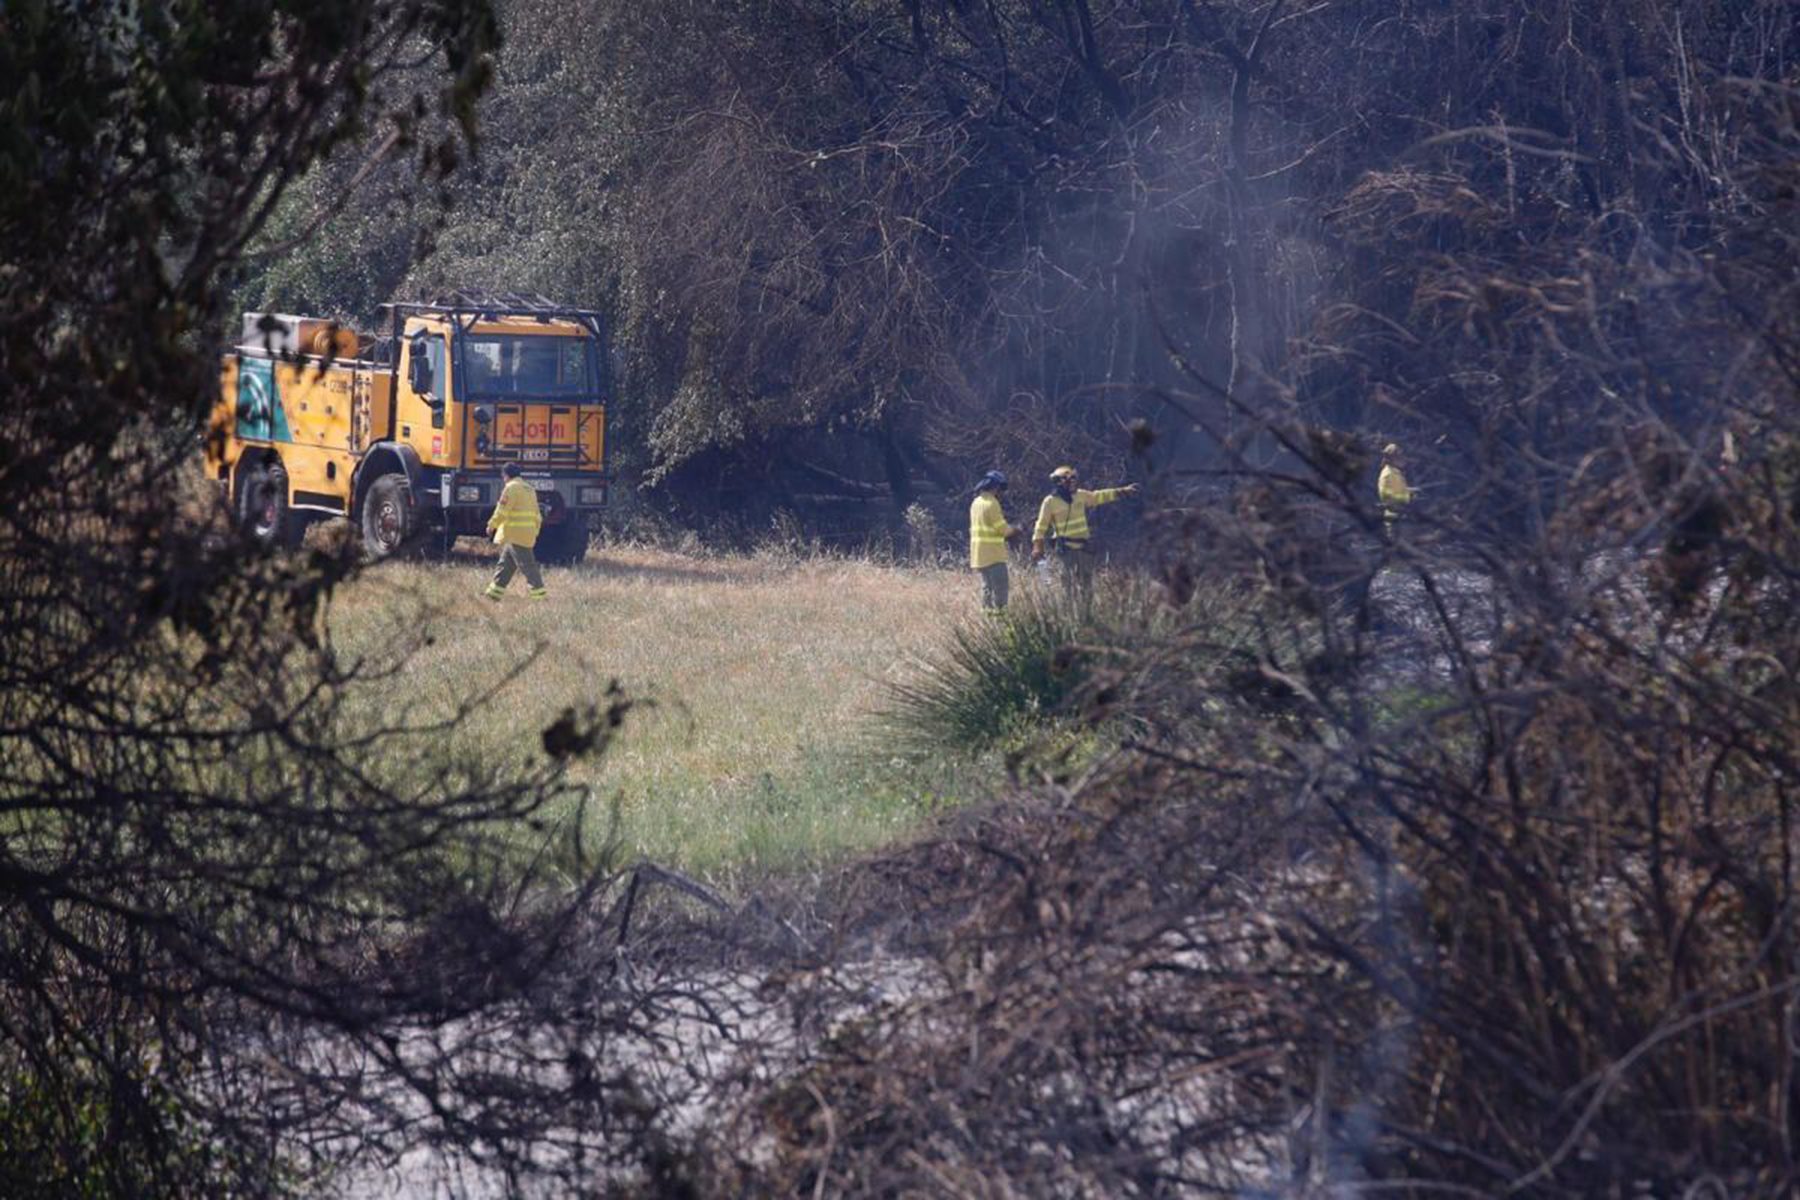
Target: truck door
424,416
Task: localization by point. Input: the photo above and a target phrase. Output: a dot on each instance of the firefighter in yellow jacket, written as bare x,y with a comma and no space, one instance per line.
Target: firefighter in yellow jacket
1391,488
1062,523
988,534
515,526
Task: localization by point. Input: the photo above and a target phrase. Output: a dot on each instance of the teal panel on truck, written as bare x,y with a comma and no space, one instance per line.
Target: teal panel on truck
260,416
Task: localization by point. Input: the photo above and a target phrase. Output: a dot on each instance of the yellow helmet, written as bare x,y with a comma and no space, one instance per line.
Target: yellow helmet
1063,473
1392,448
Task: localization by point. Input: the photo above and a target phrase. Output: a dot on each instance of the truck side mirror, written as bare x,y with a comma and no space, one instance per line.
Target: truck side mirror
419,371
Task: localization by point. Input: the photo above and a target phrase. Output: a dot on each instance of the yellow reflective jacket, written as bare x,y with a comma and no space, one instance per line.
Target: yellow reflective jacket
516,520
1391,487
987,531
1067,519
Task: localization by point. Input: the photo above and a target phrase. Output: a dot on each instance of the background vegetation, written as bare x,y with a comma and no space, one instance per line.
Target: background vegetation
859,251
1452,861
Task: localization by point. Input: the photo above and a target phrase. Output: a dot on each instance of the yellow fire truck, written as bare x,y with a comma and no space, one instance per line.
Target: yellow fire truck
405,432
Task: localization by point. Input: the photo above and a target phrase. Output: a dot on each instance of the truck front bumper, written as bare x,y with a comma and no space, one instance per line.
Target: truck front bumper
467,500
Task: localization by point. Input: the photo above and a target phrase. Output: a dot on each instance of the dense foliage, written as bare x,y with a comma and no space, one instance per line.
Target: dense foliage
1456,857
1475,875
857,249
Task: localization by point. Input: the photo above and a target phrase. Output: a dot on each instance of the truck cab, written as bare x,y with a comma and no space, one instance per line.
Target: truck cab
484,384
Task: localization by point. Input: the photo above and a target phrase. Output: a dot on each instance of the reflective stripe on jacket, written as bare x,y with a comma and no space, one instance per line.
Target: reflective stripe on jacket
516,519
987,531
1391,487
1067,519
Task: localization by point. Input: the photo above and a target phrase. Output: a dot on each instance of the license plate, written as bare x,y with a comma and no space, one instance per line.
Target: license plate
543,485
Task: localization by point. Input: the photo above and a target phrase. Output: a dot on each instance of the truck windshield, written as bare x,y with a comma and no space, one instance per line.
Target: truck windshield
525,366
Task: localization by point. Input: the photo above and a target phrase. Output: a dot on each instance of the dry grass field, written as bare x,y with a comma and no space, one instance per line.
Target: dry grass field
758,748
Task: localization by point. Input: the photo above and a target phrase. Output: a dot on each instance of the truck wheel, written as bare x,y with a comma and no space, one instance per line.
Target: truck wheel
390,519
563,544
263,504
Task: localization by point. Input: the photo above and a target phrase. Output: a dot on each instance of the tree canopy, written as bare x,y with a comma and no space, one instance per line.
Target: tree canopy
915,239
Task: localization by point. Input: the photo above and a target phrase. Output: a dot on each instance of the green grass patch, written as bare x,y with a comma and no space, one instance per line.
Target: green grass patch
755,746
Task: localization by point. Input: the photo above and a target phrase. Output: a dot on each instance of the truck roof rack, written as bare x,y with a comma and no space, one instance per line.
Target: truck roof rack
521,301
466,308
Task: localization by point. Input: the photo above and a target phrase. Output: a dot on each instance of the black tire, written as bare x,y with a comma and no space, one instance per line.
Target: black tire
563,544
390,519
262,508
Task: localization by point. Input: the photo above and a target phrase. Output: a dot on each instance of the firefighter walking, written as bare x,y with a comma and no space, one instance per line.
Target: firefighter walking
515,526
1062,524
988,534
1391,489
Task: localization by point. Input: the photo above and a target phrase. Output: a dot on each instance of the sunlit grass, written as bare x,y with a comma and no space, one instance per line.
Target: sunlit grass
755,748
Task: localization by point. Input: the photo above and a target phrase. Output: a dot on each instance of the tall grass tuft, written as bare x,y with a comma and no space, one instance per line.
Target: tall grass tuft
1002,677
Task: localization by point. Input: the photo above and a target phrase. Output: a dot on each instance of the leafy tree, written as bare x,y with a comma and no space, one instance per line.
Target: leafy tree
222,900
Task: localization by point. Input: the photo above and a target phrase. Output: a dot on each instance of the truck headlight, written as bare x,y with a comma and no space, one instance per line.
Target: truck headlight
468,493
590,495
